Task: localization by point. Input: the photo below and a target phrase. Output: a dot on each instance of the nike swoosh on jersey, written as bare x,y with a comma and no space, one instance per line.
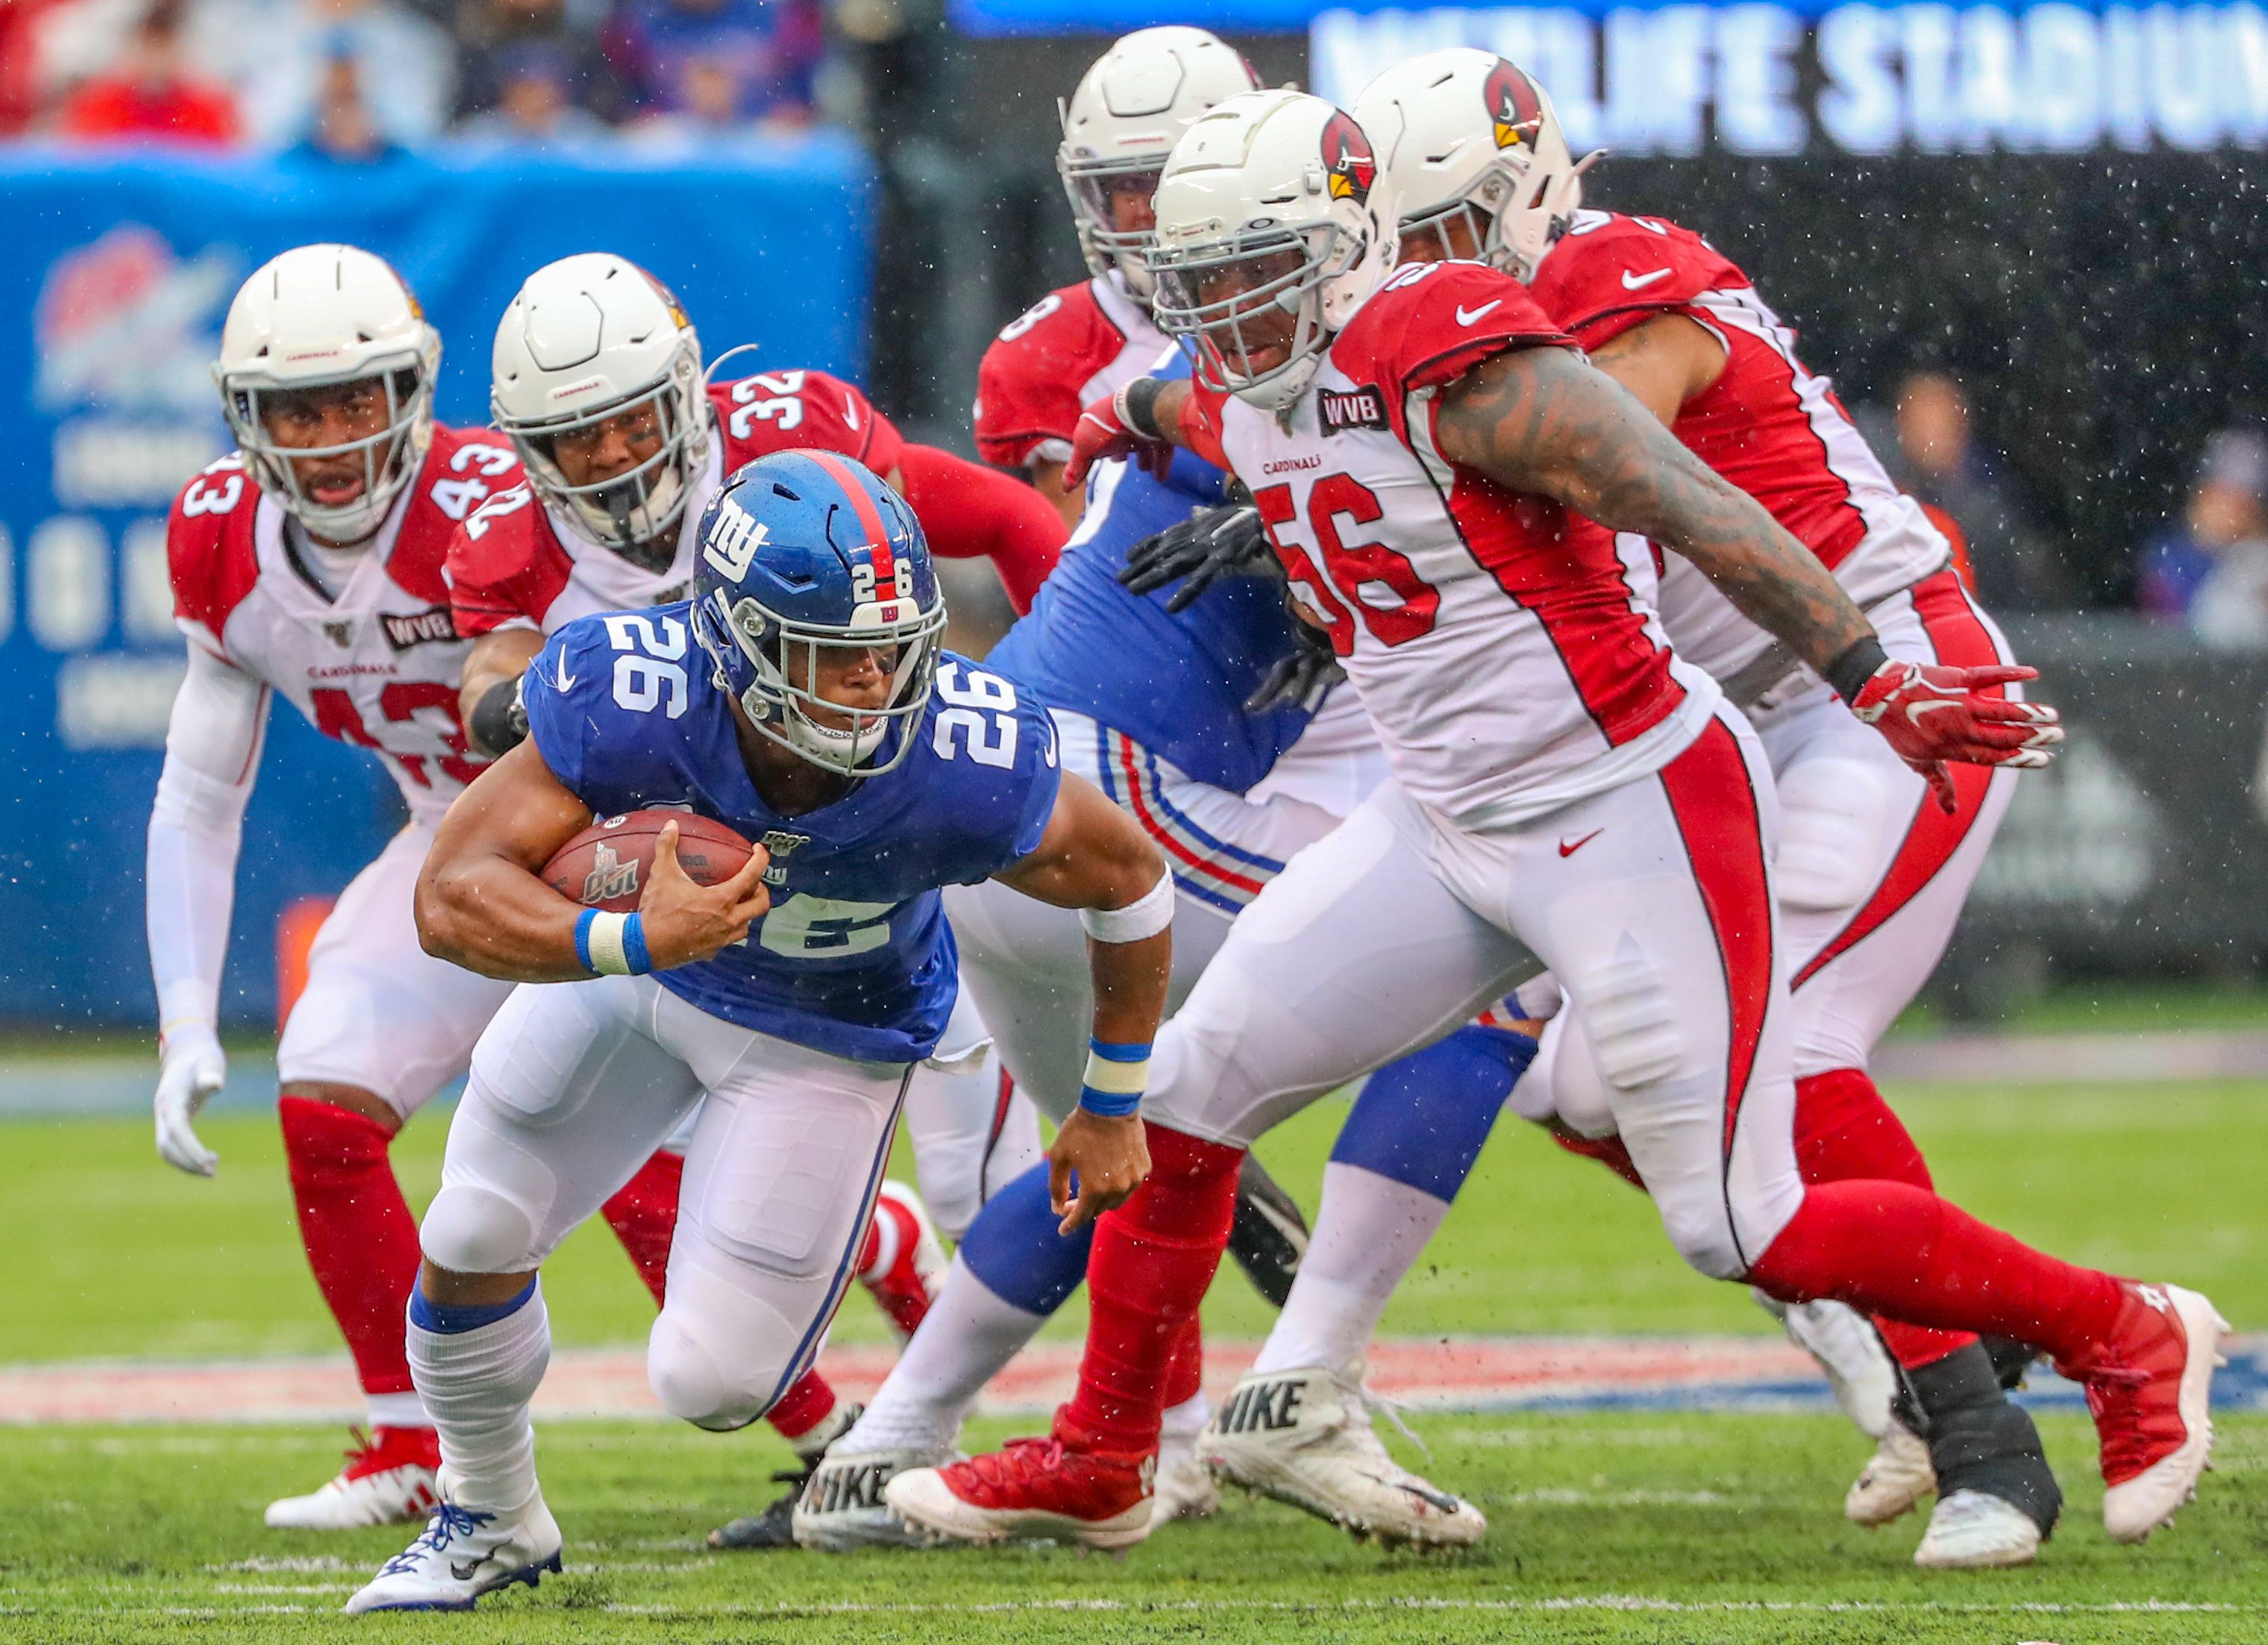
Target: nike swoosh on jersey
1639,283
566,681
1467,316
1566,850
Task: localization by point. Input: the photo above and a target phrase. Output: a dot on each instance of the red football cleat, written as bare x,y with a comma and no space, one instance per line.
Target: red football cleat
2148,1385
908,1264
1034,1489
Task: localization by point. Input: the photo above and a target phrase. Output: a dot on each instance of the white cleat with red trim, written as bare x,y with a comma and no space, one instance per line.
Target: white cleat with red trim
389,1480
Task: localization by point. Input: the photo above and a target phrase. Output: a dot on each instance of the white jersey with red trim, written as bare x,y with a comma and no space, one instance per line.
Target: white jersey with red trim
518,564
1769,426
1072,346
1507,648
378,666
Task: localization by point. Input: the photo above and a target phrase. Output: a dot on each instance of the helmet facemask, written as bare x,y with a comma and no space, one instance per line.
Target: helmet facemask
1233,301
388,458
637,508
772,665
1096,188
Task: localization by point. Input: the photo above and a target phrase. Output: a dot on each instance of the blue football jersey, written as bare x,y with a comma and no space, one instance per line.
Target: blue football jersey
855,958
1177,685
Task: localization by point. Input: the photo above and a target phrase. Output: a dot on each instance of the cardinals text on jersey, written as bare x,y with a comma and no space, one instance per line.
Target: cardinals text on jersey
1766,425
518,564
855,958
1069,348
1507,648
378,665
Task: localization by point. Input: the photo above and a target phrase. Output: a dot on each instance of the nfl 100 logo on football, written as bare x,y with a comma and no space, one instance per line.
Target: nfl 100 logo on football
611,876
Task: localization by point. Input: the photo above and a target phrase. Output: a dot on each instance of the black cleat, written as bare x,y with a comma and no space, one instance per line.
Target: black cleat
1270,1234
775,1526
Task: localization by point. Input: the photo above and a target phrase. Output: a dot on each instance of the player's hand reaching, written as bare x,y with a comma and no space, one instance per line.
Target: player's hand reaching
1209,545
683,921
1301,679
1104,1159
193,1069
1102,435
1933,715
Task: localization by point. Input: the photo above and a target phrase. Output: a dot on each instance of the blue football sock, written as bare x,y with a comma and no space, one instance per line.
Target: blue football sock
451,1320
1421,1121
1013,1248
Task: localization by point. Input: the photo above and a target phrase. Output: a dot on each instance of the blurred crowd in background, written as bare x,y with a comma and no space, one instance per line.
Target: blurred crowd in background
354,79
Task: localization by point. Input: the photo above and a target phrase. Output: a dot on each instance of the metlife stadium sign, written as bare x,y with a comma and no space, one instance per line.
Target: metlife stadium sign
1867,79
1771,79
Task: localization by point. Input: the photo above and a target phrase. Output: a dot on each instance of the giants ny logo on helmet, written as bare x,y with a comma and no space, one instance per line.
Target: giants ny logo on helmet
732,539
1348,160
1515,110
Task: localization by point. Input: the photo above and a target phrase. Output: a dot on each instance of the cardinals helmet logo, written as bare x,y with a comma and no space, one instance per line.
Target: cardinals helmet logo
1513,106
1347,159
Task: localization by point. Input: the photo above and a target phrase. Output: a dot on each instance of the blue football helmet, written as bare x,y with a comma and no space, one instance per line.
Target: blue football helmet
802,553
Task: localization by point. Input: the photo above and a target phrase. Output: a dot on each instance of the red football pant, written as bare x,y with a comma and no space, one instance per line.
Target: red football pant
1152,1260
644,1216
360,1239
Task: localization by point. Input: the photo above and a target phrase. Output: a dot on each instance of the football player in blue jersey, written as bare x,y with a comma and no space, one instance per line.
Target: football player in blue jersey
1174,709
800,698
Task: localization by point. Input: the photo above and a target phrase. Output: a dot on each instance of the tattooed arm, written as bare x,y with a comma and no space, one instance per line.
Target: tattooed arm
1544,421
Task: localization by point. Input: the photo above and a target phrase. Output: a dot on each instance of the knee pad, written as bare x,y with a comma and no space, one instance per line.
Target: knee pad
686,1365
1565,1086
1832,815
1703,1234
1630,1020
469,1229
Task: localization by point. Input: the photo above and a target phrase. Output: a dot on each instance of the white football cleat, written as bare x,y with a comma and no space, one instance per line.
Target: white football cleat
841,1507
1895,1478
389,1480
465,1553
1850,1354
1973,1531
1304,1437
1184,1486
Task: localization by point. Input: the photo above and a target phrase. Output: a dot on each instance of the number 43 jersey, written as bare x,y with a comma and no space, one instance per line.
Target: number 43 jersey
855,958
376,667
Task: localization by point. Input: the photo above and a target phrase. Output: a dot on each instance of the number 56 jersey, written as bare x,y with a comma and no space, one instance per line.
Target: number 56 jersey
855,958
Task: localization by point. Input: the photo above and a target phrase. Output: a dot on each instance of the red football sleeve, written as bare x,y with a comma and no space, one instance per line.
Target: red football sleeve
1448,321
504,568
969,511
1601,284
1201,423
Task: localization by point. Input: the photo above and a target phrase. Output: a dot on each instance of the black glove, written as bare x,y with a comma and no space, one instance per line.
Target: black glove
1209,544
1299,680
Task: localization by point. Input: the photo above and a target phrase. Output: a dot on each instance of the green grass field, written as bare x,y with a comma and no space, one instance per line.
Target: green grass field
1652,1526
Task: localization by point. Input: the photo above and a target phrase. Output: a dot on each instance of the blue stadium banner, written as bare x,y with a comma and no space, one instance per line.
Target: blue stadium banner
117,272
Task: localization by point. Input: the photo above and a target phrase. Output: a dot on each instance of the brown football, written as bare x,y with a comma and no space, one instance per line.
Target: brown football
606,865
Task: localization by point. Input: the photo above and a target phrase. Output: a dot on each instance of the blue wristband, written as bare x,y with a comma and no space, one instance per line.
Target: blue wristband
584,921
634,946
1115,1075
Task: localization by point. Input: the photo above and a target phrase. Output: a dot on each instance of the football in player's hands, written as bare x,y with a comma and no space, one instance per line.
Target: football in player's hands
608,865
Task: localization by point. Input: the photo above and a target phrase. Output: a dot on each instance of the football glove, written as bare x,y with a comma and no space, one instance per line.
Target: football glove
1209,544
1102,435
193,1069
1300,680
1933,715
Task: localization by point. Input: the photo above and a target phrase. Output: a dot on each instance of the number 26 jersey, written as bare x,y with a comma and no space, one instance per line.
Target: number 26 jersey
855,958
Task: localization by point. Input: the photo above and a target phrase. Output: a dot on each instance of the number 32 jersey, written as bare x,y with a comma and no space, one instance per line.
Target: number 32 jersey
855,958
1507,648
378,667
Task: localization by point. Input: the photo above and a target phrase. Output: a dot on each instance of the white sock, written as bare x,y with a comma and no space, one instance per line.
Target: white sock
396,1411
966,1338
1185,1421
476,1385
1369,1231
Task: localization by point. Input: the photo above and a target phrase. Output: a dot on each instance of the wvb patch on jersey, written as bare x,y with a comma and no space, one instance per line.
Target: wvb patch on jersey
1357,409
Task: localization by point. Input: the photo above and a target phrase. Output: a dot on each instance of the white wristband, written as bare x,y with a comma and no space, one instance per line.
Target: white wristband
1146,916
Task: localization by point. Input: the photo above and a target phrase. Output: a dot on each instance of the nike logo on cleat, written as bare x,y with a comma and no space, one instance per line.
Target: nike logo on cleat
1270,1406
464,1571
842,1490
1640,282
1566,850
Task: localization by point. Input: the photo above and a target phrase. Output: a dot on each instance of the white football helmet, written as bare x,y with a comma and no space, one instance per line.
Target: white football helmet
588,338
1121,122
1269,238
312,318
1463,133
